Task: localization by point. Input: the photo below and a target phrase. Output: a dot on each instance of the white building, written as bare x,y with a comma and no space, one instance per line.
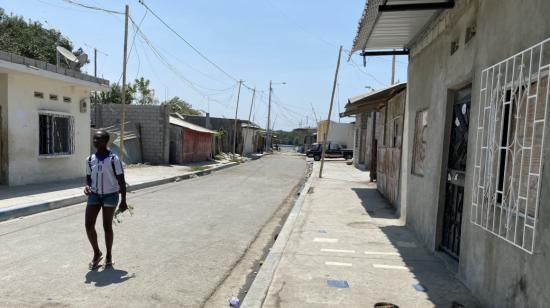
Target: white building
340,133
44,120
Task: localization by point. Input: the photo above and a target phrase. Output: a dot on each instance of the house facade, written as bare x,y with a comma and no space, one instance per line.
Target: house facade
340,133
379,137
475,137
44,120
226,127
189,142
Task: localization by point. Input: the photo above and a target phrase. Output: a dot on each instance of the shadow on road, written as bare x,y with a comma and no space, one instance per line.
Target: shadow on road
107,276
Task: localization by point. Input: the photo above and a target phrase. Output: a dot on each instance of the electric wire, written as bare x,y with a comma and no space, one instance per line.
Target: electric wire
95,8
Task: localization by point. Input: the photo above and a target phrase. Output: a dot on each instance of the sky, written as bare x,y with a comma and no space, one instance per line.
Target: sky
286,41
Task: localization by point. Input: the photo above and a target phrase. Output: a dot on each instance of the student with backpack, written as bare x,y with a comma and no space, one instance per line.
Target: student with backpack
104,181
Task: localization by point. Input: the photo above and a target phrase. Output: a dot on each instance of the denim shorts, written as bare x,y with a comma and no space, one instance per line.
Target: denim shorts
107,200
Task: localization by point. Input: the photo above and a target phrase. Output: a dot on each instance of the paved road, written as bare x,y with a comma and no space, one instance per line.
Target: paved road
183,239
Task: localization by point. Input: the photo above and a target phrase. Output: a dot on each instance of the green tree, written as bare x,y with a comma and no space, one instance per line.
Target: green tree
114,95
178,105
30,39
144,95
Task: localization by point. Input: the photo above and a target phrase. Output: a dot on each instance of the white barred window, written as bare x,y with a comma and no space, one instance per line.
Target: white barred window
509,143
55,132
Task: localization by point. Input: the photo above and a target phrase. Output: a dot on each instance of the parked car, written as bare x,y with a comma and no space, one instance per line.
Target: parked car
332,150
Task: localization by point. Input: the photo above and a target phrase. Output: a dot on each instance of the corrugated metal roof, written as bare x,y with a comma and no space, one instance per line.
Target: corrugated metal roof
372,100
179,122
388,30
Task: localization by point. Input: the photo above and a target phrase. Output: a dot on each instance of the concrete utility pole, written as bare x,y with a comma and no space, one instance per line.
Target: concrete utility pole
393,69
268,135
236,115
249,116
123,107
330,113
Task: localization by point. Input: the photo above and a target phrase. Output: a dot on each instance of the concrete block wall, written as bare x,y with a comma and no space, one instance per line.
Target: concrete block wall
153,121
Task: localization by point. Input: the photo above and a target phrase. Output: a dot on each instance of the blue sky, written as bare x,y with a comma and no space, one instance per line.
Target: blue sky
285,41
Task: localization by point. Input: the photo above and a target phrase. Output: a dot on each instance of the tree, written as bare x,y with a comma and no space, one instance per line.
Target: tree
30,39
178,105
144,94
114,95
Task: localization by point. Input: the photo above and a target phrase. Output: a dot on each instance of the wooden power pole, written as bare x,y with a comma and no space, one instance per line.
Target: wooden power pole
268,133
236,115
123,107
393,69
330,113
249,116
95,62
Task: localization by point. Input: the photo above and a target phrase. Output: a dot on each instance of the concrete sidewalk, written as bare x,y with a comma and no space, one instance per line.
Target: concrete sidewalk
347,249
30,199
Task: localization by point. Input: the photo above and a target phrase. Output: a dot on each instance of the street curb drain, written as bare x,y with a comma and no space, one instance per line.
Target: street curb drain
38,207
259,288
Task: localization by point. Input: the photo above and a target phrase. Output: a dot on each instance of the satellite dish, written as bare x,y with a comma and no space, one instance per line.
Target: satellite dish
67,54
82,59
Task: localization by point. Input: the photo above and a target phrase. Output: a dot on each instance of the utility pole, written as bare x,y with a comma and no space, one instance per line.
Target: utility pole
314,114
236,115
249,116
393,69
123,107
95,62
268,133
330,113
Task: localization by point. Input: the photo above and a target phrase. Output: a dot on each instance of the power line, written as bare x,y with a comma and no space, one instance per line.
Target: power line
95,8
166,63
188,43
354,64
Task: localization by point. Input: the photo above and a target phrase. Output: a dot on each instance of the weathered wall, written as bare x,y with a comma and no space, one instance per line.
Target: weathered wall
249,136
390,132
154,123
227,125
341,133
3,128
498,273
25,165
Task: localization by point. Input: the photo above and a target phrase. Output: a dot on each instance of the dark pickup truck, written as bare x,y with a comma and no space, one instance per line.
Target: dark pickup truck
332,150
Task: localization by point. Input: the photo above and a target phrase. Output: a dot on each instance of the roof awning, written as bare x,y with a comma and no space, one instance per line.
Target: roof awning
371,101
394,24
181,123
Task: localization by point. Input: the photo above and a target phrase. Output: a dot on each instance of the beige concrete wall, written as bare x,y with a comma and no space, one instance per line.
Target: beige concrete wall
341,133
25,165
3,128
248,140
498,273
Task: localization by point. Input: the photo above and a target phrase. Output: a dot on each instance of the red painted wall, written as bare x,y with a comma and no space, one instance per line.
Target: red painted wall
197,146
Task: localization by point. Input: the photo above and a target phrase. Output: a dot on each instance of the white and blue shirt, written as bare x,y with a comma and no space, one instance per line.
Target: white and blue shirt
103,171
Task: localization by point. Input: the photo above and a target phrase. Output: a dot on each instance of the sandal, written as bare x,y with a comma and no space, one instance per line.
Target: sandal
95,262
109,264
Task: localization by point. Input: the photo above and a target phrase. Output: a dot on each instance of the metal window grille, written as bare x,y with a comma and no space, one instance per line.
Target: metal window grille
509,142
56,135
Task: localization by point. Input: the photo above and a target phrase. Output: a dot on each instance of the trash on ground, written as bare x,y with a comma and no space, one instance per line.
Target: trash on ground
234,302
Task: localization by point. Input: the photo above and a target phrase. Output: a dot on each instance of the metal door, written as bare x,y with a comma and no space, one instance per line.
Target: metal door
456,173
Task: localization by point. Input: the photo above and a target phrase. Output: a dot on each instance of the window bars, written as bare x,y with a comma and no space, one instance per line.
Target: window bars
56,134
509,144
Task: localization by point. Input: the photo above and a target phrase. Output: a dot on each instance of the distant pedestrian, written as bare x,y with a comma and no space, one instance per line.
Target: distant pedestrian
104,181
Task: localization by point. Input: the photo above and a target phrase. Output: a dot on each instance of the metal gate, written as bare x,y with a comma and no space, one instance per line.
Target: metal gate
456,173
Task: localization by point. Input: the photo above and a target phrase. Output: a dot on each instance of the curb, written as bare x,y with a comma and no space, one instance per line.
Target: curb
38,207
258,290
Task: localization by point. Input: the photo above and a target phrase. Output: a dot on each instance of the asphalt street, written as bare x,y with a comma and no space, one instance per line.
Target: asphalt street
182,241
